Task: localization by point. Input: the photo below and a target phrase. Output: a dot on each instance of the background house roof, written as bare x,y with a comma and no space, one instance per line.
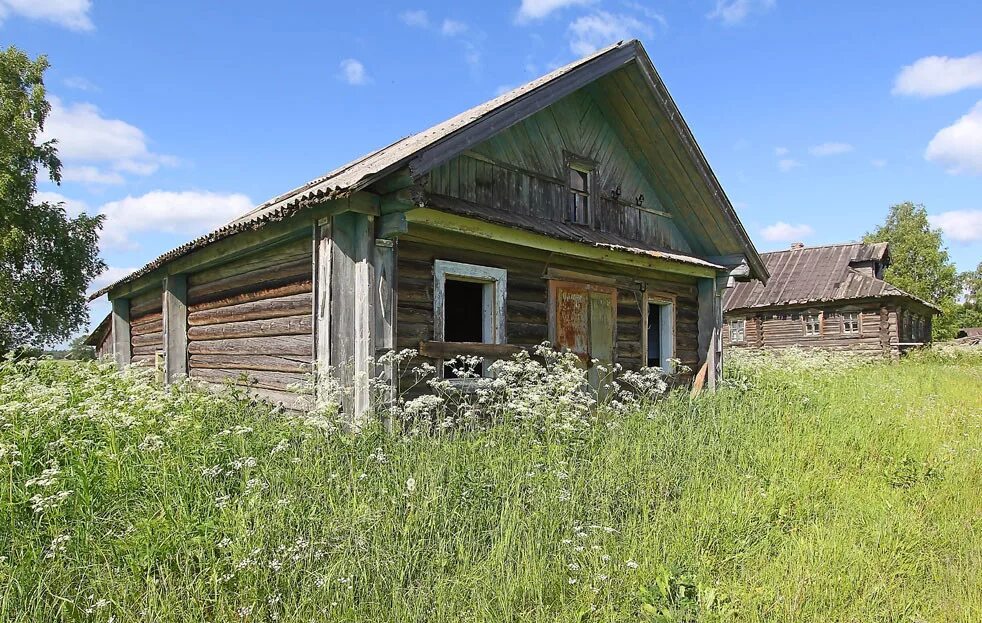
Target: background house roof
816,275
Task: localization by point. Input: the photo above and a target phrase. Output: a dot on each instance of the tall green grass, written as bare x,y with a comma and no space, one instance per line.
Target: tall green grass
839,493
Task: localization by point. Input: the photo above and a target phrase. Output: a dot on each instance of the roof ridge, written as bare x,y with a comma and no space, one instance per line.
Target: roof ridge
821,246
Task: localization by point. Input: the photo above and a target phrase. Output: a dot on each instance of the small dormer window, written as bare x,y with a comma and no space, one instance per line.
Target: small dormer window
580,176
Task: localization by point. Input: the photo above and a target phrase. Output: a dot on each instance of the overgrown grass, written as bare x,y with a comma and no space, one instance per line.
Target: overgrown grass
839,493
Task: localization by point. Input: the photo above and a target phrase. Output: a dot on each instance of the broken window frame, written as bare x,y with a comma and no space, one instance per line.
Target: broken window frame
493,308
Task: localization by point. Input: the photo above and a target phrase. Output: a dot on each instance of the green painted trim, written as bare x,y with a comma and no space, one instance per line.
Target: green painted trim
511,235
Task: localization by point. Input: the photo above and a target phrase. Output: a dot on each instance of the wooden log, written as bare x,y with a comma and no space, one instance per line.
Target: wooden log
148,349
288,400
271,363
146,319
150,302
154,326
301,345
290,325
292,305
263,278
147,338
286,253
296,287
263,379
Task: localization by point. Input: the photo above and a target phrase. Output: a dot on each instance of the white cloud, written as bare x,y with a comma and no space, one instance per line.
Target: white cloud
87,174
786,164
80,83
537,9
960,225
591,32
783,232
452,27
73,207
939,75
72,14
781,151
416,18
879,163
830,149
112,274
732,12
86,139
353,72
959,146
189,213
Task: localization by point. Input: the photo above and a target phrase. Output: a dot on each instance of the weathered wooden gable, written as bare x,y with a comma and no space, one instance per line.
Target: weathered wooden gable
523,170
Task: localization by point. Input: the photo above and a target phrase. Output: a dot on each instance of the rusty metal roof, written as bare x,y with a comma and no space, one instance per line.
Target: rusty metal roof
816,275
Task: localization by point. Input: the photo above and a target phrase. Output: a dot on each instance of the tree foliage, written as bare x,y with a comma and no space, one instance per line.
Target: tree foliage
47,258
919,262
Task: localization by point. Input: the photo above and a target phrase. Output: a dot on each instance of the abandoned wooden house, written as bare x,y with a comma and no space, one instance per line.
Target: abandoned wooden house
832,297
576,209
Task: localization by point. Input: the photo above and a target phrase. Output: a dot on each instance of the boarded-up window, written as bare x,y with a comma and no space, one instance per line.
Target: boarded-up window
583,318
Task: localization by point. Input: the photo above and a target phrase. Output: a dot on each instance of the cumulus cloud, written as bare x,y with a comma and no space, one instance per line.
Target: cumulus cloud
189,213
71,14
353,72
452,27
786,164
417,18
537,9
830,149
959,146
88,143
939,75
591,32
960,225
73,207
784,232
732,12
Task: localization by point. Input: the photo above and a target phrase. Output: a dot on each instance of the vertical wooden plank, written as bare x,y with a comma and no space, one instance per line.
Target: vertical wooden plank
175,315
364,314
708,328
121,331
322,295
386,290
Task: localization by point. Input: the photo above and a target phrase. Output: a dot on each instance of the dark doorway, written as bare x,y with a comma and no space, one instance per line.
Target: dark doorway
463,319
654,335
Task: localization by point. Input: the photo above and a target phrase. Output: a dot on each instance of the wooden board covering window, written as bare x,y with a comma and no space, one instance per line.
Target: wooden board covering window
583,318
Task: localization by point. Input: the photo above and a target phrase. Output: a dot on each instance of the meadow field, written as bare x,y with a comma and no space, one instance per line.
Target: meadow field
804,490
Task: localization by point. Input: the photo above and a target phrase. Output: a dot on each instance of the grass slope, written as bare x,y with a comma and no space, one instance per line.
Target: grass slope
791,495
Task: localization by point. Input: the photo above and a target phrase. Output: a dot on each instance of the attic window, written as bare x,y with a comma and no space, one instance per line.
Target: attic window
580,177
813,325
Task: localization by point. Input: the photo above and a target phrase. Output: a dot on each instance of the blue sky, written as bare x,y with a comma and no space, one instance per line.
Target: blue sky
174,117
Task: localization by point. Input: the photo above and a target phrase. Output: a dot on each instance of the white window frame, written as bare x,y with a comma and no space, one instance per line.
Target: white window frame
818,323
843,315
494,299
666,331
742,322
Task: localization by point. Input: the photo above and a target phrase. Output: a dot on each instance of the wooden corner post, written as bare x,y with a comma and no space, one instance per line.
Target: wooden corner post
121,331
175,313
710,325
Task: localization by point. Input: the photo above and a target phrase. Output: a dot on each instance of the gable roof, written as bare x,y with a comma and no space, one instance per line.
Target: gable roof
816,275
422,151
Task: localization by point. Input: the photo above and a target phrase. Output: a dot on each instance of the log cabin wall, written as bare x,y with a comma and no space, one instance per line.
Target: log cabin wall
146,328
251,321
523,170
527,307
782,329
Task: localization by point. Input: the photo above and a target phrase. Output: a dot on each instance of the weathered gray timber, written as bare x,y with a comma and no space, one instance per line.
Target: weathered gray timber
576,209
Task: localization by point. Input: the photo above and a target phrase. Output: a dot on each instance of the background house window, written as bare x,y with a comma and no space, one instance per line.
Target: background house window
738,330
850,323
580,178
468,303
813,325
